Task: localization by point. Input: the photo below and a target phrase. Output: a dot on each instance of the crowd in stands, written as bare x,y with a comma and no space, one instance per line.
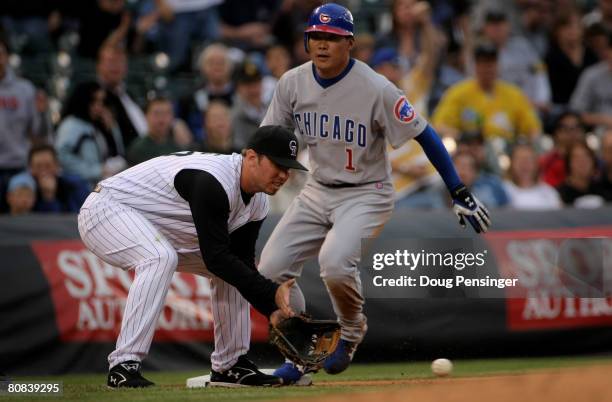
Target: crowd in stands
520,91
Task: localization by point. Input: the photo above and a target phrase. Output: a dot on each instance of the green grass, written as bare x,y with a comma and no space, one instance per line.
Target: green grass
171,385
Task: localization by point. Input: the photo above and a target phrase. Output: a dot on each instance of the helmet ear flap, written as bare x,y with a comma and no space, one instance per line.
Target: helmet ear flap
306,42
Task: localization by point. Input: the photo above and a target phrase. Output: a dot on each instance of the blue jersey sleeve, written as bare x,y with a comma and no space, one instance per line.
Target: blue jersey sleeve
439,157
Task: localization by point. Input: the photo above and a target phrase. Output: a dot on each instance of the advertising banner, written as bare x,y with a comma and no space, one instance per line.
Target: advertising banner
89,298
565,277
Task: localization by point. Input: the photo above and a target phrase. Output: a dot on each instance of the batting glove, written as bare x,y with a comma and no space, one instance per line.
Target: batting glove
467,207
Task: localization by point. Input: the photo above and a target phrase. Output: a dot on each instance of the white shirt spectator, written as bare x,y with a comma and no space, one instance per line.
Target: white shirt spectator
539,197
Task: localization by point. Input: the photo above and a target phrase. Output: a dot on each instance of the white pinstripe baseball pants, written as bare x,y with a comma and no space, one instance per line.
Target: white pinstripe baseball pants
122,237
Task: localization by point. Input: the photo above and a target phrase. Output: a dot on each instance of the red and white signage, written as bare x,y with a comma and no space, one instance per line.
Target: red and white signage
89,297
564,277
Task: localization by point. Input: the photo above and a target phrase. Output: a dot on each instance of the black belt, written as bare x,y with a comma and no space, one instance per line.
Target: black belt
343,185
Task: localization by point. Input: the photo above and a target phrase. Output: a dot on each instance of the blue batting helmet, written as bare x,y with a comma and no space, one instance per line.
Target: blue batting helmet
330,18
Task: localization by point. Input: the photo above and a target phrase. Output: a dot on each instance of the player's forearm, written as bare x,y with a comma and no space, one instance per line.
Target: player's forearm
439,157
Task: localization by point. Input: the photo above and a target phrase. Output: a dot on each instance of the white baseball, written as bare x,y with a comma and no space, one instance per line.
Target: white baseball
442,367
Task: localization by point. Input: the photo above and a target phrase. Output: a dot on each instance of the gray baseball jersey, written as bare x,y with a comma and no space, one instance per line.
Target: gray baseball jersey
345,124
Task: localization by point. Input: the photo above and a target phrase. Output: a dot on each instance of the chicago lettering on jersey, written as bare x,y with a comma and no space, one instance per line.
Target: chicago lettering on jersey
334,128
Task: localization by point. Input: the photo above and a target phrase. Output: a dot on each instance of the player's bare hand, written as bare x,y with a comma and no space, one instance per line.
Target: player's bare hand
276,317
282,298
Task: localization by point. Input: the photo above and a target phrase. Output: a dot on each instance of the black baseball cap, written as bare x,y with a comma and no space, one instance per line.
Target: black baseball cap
247,73
279,144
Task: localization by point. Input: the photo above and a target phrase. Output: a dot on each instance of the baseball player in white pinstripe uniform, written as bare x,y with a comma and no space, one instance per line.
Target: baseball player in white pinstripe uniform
346,113
199,213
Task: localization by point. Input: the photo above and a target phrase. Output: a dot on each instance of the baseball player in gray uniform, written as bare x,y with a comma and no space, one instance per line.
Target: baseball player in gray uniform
345,113
198,213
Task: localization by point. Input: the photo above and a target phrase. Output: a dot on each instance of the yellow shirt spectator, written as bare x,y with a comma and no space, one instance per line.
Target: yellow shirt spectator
505,112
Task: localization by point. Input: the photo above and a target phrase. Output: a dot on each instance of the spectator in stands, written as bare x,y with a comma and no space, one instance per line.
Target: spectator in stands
602,14
363,49
218,129
21,193
596,39
411,19
567,56
300,56
593,94
486,187
101,21
159,140
278,62
249,109
37,21
419,82
442,61
55,192
566,130
215,71
580,188
511,9
182,22
21,124
536,20
524,189
290,22
386,61
247,24
111,70
486,104
474,144
88,142
606,158
518,62
415,180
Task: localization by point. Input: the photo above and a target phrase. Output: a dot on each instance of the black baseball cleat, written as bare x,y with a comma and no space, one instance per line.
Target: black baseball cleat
127,374
243,374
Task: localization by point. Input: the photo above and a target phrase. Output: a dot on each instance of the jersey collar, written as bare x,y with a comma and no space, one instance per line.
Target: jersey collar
327,82
246,197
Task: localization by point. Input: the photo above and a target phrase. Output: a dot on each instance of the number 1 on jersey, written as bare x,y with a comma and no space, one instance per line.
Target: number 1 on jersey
349,160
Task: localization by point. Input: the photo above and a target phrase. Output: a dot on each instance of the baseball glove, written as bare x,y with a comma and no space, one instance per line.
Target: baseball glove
304,341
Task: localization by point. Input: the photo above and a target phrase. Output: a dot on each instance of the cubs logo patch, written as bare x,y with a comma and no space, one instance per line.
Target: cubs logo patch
324,18
403,110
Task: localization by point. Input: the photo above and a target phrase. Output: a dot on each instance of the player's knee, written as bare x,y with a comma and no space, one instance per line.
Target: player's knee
334,279
276,275
335,264
273,269
168,259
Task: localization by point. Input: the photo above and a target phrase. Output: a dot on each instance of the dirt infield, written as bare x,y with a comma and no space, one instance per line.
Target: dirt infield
588,384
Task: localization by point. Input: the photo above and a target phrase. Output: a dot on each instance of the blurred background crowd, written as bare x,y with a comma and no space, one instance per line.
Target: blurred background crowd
520,91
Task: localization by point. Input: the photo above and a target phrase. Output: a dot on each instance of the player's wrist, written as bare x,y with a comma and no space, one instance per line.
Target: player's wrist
459,190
